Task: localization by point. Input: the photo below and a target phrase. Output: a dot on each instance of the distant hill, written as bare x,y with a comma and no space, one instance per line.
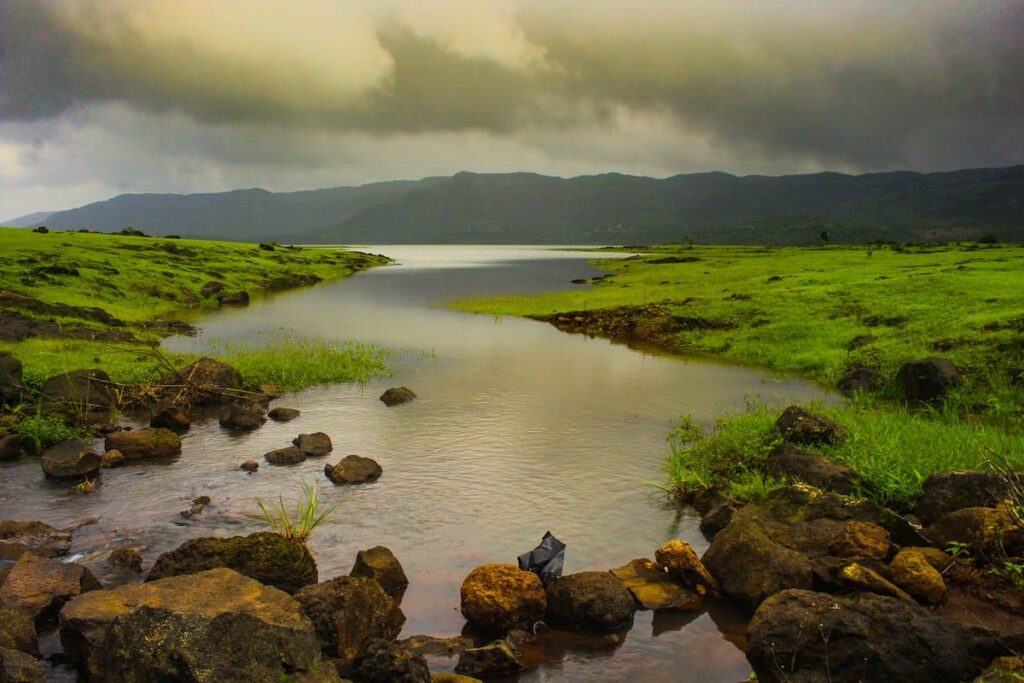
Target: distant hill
28,221
602,209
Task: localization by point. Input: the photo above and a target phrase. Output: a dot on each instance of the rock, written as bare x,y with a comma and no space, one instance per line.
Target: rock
125,558
503,597
799,426
380,564
861,541
653,588
912,572
173,418
204,382
348,613
790,462
863,578
397,395
385,662
39,586
860,379
354,469
249,466
266,246
984,529
717,518
114,458
240,418
927,380
446,677
77,393
494,659
71,459
938,559
951,491
1003,670
267,557
589,601
17,630
283,414
240,298
35,537
800,635
144,443
678,560
10,447
216,625
211,288
432,645
750,566
10,379
314,444
19,667
285,456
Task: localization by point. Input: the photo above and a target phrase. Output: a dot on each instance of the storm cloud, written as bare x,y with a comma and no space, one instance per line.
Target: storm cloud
244,88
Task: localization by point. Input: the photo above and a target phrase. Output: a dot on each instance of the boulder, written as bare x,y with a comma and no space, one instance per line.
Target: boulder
750,566
285,456
677,559
951,491
380,564
125,558
589,601
717,518
211,288
859,577
144,443
240,298
397,395
204,382
503,597
434,645
249,466
349,612
10,379
19,667
314,444
861,541
216,625
493,659
653,588
17,630
799,426
10,447
283,414
927,380
171,417
984,529
385,662
267,557
77,393
802,637
71,459
39,586
35,537
354,469
241,418
912,572
1003,670
860,379
114,458
790,462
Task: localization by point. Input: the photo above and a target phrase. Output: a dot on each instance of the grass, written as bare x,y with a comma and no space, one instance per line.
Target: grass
39,432
308,515
797,310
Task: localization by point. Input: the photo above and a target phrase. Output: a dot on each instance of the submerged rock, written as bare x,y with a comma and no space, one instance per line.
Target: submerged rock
283,414
385,662
927,380
285,456
493,659
249,466
241,418
797,425
71,459
354,469
144,443
503,597
267,557
171,417
397,395
653,588
800,635
37,538
125,558
39,586
214,626
313,445
348,613
589,601
381,565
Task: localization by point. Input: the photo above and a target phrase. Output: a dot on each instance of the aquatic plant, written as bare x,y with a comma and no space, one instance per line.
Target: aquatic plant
39,431
308,515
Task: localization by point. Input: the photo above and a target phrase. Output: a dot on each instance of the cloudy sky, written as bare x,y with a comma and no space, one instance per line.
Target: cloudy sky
100,97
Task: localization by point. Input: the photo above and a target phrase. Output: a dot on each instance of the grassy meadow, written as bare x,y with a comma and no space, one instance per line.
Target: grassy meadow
819,312
58,276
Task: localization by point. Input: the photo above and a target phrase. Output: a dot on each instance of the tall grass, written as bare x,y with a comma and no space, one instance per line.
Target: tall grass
308,515
293,363
38,431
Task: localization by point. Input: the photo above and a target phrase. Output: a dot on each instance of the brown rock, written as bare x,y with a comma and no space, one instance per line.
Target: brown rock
40,586
114,458
397,395
313,445
380,564
503,597
283,414
590,601
678,559
863,578
285,456
10,447
788,461
71,459
985,529
17,630
171,417
36,537
354,469
803,427
241,418
653,588
206,381
494,659
249,466
144,443
912,572
125,558
861,541
19,667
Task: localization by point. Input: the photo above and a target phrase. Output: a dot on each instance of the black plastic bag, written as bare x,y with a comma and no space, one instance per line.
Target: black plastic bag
546,560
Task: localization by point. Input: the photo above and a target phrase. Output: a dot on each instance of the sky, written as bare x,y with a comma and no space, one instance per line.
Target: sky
103,97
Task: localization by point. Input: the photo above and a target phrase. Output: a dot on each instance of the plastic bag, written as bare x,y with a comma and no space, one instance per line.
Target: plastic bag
546,560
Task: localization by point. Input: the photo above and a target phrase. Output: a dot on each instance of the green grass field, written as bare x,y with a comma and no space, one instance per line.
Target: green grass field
797,310
141,279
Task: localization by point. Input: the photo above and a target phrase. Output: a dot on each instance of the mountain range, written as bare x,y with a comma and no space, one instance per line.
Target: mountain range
601,209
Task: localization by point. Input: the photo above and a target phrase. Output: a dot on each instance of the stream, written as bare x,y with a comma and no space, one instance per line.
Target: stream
518,429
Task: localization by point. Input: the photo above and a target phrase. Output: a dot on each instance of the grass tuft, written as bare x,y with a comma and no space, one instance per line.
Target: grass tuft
308,515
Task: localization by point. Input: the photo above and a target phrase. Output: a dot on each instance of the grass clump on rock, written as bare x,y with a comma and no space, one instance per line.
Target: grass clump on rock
308,515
